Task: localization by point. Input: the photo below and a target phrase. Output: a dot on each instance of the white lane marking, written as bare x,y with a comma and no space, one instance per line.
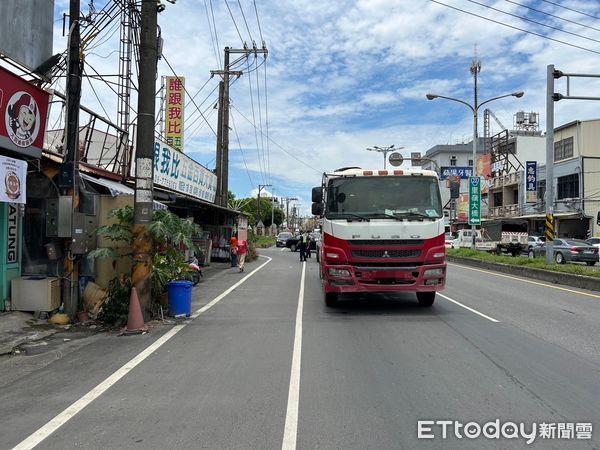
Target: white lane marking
551,286
470,309
291,418
62,418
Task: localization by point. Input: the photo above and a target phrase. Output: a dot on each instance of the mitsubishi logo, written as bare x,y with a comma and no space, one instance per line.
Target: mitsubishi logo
385,254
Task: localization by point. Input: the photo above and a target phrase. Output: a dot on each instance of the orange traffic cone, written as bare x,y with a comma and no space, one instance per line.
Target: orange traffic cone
135,319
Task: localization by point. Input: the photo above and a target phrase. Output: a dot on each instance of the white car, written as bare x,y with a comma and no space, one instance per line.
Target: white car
594,241
449,240
534,241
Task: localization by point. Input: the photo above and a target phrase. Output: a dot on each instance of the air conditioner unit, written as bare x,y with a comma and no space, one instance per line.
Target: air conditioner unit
35,293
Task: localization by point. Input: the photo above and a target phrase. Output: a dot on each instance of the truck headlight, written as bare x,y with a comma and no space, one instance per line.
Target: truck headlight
335,272
434,272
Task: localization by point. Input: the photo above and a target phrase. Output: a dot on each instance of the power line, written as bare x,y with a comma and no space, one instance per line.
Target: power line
216,35
267,119
258,21
241,151
244,17
96,95
234,23
516,28
534,21
278,145
552,15
571,9
254,125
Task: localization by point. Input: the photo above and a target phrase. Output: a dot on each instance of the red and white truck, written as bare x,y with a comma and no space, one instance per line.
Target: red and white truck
383,231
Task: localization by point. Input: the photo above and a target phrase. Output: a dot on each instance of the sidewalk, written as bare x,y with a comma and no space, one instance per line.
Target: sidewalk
19,328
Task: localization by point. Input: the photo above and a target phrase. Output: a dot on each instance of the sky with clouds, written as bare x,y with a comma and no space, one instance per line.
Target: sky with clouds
343,75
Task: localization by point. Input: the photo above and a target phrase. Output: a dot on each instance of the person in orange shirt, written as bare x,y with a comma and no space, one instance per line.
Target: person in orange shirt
234,251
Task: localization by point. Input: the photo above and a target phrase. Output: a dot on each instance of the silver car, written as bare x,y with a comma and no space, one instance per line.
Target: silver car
568,250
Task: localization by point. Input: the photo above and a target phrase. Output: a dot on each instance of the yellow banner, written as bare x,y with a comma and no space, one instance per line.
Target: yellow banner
174,101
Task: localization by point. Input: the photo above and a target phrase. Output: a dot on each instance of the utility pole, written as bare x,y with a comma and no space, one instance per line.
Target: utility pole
222,160
287,209
260,187
70,171
272,207
144,156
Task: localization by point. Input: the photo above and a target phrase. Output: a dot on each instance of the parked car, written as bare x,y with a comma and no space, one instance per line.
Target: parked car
569,250
282,238
292,243
594,241
449,240
534,241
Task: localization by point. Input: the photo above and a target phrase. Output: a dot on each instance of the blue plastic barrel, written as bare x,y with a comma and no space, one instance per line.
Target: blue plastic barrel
180,297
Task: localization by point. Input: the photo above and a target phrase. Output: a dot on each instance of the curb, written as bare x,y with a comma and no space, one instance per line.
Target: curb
566,279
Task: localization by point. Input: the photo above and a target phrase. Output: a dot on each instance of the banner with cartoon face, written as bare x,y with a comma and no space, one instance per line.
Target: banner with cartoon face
13,177
23,111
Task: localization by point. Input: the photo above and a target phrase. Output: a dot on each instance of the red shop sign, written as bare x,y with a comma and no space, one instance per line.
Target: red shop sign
23,113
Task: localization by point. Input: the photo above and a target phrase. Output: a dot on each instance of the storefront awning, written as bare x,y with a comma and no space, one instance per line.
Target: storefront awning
116,189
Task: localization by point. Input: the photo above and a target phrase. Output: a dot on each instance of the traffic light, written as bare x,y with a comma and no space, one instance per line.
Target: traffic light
454,188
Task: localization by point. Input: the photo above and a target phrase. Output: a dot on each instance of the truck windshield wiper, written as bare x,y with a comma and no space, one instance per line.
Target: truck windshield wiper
384,214
412,214
358,216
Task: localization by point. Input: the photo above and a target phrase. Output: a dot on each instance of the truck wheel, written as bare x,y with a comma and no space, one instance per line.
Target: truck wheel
426,298
331,299
531,254
293,247
560,259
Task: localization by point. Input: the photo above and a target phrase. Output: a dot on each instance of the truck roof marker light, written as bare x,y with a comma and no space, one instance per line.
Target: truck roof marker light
367,172
382,172
398,172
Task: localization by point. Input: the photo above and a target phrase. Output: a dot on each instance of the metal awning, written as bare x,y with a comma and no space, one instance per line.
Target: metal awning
117,188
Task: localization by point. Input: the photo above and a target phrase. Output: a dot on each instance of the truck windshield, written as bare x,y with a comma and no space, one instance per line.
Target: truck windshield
393,196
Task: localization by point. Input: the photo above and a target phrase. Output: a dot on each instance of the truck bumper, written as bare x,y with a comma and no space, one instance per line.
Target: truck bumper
347,278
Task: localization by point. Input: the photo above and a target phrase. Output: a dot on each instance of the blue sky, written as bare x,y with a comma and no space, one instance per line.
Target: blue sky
342,76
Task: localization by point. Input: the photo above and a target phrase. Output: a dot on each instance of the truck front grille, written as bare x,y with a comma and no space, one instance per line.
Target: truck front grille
386,253
387,242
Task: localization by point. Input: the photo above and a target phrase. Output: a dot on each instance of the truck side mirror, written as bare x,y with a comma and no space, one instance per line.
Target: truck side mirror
317,194
598,218
317,209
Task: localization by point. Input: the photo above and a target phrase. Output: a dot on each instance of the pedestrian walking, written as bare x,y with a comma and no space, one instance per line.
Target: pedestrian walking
308,241
242,250
234,251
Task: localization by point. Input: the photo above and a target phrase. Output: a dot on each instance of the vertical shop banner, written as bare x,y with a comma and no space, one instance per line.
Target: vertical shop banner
12,234
13,174
474,201
175,101
23,111
531,181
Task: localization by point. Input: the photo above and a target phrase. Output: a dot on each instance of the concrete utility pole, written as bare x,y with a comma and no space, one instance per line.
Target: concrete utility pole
144,156
287,209
260,188
70,179
222,160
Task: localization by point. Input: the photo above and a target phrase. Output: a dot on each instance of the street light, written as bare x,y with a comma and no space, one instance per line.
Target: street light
475,109
385,151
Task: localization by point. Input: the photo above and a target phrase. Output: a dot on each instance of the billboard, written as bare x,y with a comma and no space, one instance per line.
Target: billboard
26,30
175,101
180,173
23,113
463,172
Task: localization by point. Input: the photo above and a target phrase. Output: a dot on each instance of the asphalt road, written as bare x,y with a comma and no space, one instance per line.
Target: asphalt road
268,366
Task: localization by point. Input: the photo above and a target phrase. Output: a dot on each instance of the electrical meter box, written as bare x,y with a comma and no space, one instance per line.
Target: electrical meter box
58,216
83,238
